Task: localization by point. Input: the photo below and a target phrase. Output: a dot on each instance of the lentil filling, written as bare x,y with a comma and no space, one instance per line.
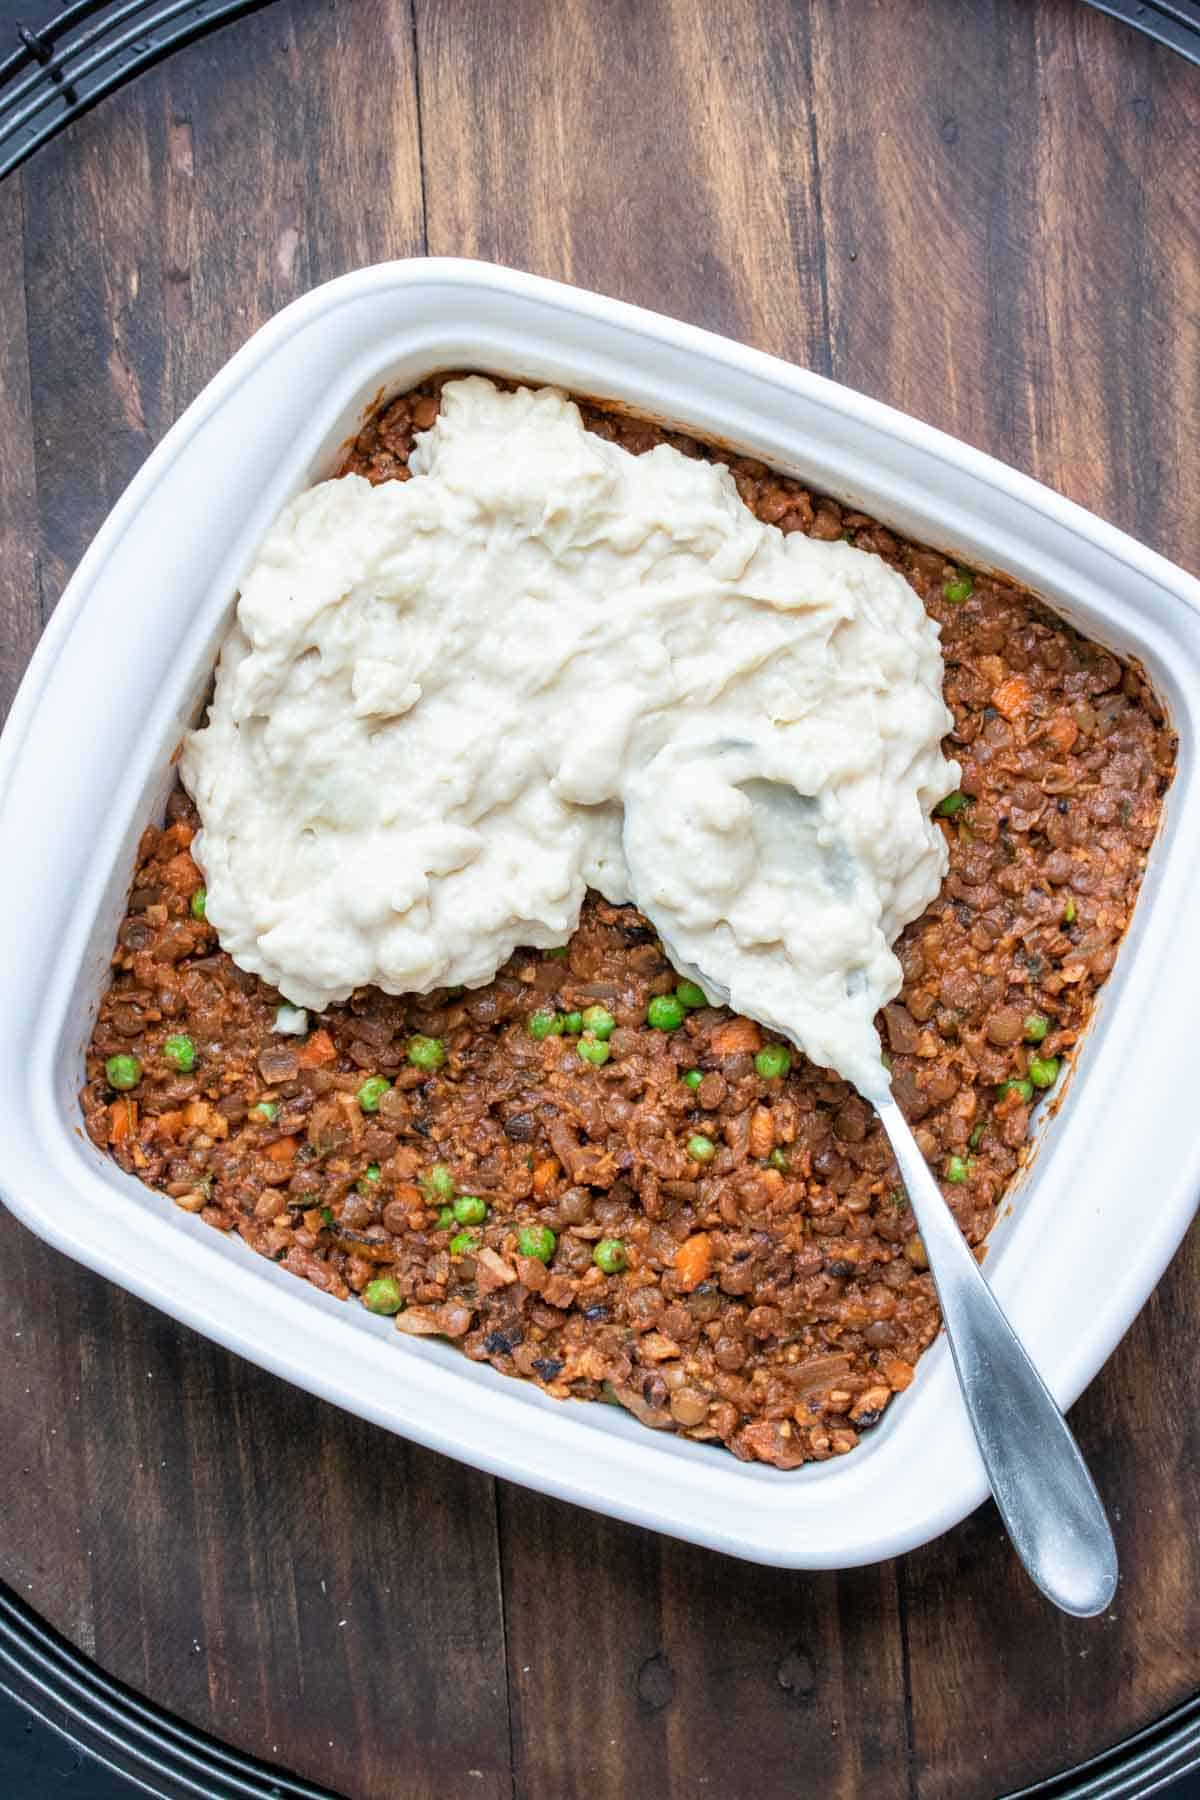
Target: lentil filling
583,1174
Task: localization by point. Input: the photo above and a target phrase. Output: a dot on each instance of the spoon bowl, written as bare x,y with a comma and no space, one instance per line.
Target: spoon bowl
1039,1480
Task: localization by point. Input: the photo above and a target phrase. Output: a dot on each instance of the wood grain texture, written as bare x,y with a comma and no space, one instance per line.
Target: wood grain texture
20,566
977,213
687,1673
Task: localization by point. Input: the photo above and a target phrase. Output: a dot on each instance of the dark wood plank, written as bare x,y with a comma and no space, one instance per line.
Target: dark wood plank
643,1666
1013,255
20,548
297,1582
176,218
599,143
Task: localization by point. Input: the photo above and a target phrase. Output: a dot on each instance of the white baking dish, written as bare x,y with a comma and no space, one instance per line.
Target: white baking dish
84,765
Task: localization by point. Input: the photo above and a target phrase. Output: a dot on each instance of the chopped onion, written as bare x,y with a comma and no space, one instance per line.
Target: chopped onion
292,1021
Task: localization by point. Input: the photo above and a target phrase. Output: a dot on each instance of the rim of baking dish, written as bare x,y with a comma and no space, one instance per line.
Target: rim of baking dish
825,1515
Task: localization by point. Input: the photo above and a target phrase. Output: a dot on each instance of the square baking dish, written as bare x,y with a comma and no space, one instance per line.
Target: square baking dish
85,764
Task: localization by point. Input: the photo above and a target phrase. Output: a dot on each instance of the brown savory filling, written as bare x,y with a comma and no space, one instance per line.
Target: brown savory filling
587,1177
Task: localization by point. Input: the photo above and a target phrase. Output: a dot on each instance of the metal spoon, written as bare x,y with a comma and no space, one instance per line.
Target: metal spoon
1047,1499
1040,1482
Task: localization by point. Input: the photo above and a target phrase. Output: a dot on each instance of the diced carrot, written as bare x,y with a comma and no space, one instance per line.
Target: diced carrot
898,1374
1008,1103
283,1149
168,1124
693,1260
198,1115
122,1120
182,832
1062,732
736,1035
181,874
762,1132
317,1051
544,1174
1012,697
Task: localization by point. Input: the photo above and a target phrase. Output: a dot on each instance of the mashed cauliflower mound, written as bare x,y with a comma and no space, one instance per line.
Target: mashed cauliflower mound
449,705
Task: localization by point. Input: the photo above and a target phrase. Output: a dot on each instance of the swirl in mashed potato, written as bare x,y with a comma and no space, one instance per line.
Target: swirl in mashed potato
439,696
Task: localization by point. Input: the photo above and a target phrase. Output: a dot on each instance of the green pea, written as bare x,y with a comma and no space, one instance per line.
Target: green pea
701,1149
544,1024
960,588
465,1244
976,1137
1070,914
594,1051
773,1060
369,1178
1021,1086
199,902
538,1241
609,1255
469,1209
573,1023
445,1219
180,1052
665,1012
123,1072
383,1296
692,1079
440,1181
558,954
371,1092
953,803
266,1109
599,1021
426,1053
779,1159
1036,1027
326,1215
691,994
957,1169
1043,1071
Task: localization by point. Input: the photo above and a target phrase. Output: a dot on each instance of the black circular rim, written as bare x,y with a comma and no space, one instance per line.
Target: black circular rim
135,1738
53,72
128,1735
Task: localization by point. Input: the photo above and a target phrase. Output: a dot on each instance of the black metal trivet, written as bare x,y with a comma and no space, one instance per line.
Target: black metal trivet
1175,23
160,1755
52,69
128,1735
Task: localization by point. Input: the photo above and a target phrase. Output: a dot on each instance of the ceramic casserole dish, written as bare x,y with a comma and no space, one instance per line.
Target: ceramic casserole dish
85,765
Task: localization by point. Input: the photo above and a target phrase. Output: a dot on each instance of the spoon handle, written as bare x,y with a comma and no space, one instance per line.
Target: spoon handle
1047,1499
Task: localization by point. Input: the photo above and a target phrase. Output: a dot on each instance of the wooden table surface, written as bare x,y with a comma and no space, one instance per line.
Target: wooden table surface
986,214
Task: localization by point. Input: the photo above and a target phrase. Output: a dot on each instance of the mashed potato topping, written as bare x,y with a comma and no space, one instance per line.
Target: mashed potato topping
449,705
